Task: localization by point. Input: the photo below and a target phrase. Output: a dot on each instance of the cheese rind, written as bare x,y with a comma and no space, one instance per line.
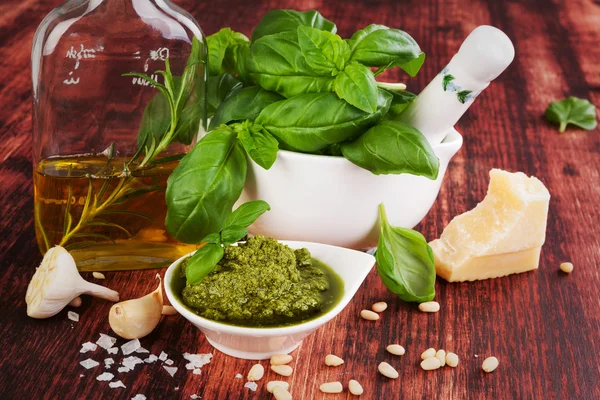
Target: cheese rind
502,235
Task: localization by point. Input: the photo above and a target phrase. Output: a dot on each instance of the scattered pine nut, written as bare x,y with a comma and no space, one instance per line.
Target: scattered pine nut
441,355
380,306
430,363
256,373
169,310
369,315
452,360
281,359
76,302
281,394
430,352
98,275
283,370
387,370
566,267
331,387
355,388
273,384
396,349
490,364
429,306
333,361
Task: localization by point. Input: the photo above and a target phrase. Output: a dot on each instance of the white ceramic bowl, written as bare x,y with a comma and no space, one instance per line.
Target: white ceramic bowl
261,343
330,200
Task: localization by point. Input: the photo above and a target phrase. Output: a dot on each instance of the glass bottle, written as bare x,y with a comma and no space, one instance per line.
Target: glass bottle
95,194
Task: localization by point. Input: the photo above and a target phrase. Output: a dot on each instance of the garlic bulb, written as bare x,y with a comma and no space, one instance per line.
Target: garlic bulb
134,319
57,282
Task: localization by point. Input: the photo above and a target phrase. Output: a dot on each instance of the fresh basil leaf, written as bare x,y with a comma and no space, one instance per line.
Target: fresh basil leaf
247,213
236,61
573,110
325,52
392,147
204,187
218,44
356,84
212,238
219,87
246,104
278,21
313,121
155,120
278,65
405,262
259,144
400,100
380,46
203,262
232,234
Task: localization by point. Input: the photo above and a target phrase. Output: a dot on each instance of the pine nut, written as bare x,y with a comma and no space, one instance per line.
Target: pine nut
380,306
490,364
281,359
331,387
369,315
430,352
333,361
355,388
441,355
281,394
98,275
429,306
430,363
566,267
273,384
396,349
452,360
76,302
256,373
386,369
283,370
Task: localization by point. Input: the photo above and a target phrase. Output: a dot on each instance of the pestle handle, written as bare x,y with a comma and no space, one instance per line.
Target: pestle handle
484,54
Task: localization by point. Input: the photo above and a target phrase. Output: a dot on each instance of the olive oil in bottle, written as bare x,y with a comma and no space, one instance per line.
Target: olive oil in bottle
109,215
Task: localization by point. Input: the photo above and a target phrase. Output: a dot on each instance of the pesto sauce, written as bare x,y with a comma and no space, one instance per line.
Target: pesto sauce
314,288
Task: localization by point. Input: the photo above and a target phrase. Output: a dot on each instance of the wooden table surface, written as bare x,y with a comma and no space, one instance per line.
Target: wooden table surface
543,326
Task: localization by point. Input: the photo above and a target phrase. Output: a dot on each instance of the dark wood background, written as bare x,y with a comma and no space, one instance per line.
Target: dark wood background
543,326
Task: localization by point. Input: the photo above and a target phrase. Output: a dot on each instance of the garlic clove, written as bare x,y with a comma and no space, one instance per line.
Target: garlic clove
56,282
134,319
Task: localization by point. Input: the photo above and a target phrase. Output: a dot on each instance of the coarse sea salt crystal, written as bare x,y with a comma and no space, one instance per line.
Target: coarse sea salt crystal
170,370
116,384
113,350
138,397
89,363
169,362
108,362
73,316
251,385
106,376
197,371
131,361
130,346
106,342
194,396
238,376
163,356
88,346
197,360
123,369
142,350
152,358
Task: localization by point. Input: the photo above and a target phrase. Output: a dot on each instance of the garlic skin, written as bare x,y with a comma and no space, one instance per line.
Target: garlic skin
134,319
57,282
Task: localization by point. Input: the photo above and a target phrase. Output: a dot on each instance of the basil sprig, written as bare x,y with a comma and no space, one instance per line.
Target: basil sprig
206,258
405,262
576,111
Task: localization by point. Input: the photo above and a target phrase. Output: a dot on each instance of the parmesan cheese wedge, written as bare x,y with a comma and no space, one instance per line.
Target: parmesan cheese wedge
502,235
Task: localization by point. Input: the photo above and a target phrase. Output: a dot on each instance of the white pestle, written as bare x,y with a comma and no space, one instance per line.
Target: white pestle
484,54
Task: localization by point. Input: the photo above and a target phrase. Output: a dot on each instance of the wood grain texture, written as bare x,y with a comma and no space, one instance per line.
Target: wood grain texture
543,326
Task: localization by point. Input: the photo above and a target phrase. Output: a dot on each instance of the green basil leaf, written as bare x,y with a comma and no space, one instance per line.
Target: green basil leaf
204,187
244,104
576,111
247,213
380,46
325,52
356,84
313,121
212,238
259,144
278,21
405,262
232,234
392,147
236,61
219,87
217,47
155,120
400,100
203,262
278,65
